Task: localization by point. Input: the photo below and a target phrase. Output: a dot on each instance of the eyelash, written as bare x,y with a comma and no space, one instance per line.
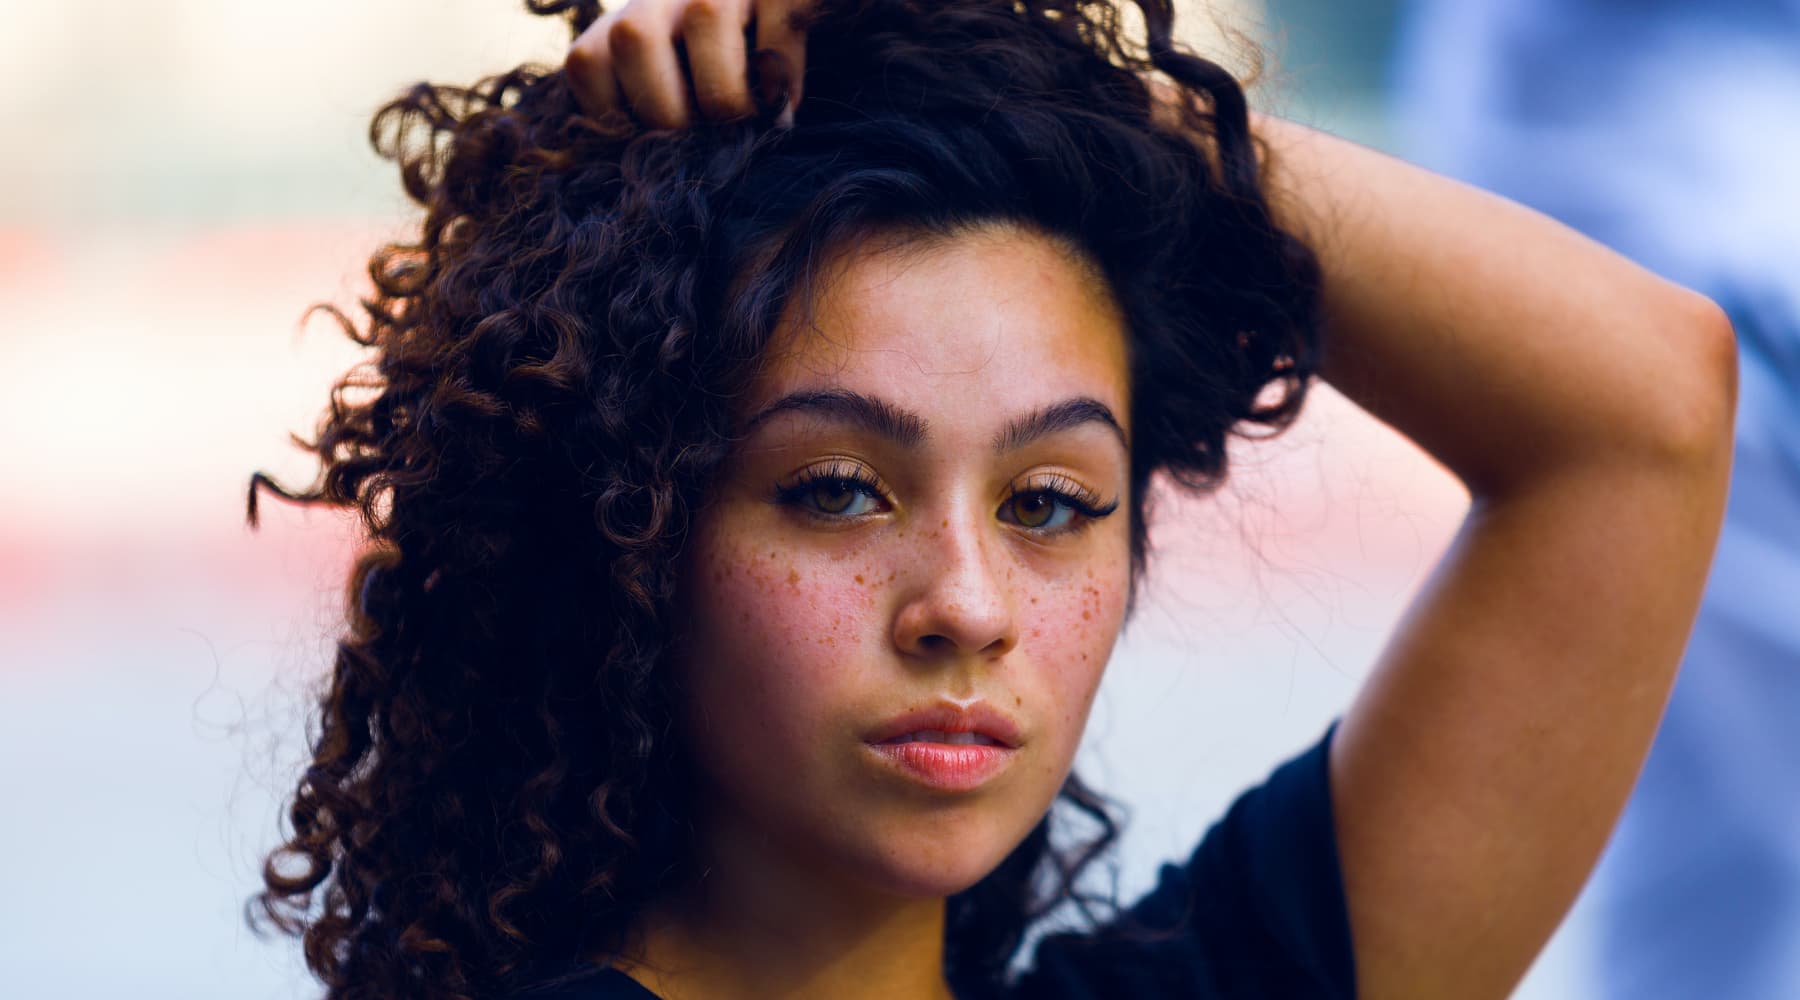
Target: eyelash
1083,502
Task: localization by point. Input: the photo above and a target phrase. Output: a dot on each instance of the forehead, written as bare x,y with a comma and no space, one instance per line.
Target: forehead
997,316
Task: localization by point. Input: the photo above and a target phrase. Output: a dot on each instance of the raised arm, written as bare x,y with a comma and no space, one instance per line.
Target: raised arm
1587,406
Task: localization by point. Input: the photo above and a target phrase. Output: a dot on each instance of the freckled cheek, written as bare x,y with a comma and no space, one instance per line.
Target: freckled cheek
1070,636
777,642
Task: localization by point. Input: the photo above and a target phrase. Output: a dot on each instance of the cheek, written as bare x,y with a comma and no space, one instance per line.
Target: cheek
774,639
1070,637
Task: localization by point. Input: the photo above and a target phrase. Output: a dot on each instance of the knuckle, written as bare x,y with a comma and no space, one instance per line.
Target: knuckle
581,61
703,15
628,38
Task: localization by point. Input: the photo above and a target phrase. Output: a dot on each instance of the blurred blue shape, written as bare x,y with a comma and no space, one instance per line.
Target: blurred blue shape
1670,131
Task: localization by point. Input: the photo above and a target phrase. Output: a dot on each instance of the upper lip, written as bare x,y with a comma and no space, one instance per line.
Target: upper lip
950,717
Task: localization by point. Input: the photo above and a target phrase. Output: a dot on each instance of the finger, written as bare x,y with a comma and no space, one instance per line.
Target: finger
713,31
644,62
776,34
589,69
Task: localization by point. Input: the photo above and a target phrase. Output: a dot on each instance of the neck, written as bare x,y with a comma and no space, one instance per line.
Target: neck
761,922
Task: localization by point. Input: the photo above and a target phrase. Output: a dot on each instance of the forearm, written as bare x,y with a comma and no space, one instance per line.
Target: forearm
1507,345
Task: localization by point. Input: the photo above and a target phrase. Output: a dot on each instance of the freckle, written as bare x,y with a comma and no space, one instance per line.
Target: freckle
946,522
1086,616
859,578
891,575
793,578
1034,600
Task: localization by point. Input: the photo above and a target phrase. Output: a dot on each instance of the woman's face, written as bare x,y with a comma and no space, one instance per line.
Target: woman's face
928,514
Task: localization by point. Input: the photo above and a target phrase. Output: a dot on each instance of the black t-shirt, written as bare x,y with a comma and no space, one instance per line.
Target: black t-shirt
1257,911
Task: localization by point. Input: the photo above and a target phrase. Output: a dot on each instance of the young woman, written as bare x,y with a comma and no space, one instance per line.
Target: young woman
755,490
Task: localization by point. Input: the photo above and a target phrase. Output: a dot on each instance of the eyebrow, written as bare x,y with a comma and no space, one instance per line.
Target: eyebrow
875,415
1062,416
909,430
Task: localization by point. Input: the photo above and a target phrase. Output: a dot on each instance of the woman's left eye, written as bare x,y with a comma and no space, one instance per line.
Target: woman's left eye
1040,510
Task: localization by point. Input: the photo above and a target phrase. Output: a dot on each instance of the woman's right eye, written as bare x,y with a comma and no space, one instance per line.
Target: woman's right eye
833,496
841,496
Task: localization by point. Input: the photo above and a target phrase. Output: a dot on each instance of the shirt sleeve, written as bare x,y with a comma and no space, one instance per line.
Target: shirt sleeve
1256,911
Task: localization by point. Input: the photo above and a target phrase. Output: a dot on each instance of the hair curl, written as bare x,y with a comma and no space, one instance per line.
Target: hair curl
496,784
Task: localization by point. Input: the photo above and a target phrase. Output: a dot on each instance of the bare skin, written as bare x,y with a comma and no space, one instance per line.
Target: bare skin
1587,406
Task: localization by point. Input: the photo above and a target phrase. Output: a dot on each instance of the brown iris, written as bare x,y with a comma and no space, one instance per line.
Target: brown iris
833,496
1033,510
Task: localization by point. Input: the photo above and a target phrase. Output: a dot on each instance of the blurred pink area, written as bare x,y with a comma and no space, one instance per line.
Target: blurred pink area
145,375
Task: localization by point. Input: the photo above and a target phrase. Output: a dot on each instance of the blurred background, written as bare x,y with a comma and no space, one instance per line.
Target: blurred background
182,179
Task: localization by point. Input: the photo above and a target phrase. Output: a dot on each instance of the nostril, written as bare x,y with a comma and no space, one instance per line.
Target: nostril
935,643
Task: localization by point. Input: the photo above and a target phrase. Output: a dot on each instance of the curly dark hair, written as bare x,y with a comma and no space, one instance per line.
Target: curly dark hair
496,781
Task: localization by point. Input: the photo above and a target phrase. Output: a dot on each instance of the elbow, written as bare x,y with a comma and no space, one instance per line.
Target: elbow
1703,391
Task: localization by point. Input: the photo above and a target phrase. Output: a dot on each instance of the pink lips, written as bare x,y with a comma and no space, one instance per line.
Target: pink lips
980,718
948,747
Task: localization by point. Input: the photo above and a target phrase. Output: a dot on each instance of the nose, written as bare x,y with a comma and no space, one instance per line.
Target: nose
961,598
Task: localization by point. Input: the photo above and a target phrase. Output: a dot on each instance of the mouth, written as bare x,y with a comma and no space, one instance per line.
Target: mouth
949,724
946,747
943,766
944,737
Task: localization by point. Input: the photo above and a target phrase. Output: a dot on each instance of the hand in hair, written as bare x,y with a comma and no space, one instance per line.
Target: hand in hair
740,56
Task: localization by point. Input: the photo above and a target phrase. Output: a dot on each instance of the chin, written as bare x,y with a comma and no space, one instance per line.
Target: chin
930,881
937,857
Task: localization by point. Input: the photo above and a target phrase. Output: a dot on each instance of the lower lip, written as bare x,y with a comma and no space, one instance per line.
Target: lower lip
950,767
